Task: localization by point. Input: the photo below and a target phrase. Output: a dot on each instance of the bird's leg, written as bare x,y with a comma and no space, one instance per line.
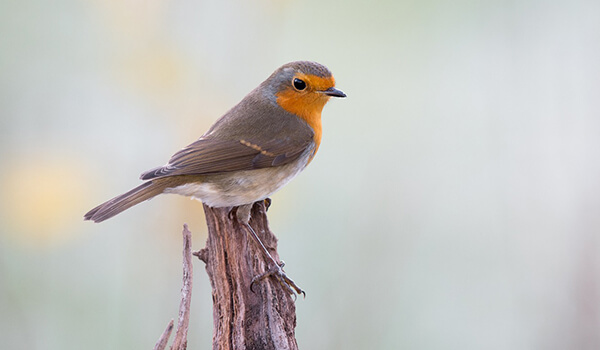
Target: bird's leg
276,270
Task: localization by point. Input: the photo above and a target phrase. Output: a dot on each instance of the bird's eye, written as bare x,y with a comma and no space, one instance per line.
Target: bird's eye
299,84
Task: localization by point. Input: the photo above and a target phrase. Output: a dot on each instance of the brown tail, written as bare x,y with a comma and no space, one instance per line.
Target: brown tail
125,201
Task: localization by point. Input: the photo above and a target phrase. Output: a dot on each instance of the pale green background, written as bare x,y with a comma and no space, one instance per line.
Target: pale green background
454,203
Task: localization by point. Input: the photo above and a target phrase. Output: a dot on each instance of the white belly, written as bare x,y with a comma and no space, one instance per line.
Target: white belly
243,187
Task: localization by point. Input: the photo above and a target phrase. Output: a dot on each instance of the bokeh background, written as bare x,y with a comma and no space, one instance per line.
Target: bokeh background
454,203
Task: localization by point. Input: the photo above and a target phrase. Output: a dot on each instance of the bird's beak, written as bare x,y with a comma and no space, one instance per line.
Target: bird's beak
333,92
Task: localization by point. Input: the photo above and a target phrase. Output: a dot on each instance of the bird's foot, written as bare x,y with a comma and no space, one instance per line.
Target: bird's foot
277,272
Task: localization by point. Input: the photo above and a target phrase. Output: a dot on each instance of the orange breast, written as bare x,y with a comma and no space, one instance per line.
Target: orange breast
309,104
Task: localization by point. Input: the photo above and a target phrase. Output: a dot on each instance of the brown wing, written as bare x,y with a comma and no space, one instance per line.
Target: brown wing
211,156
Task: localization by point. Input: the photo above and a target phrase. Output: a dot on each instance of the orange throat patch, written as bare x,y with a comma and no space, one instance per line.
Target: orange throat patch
306,107
307,104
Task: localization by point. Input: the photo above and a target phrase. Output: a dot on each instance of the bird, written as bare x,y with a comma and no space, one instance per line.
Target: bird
248,154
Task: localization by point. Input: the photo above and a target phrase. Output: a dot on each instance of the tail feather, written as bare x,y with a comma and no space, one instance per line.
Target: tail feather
125,201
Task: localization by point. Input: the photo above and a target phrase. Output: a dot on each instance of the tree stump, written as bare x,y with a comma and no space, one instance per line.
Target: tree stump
260,319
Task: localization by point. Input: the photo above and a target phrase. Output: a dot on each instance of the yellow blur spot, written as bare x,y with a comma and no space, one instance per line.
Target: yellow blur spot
41,201
149,63
156,71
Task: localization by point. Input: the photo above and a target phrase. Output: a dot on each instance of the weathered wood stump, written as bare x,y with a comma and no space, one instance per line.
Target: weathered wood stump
260,319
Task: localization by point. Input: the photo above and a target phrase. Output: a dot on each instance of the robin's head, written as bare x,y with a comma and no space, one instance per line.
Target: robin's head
302,88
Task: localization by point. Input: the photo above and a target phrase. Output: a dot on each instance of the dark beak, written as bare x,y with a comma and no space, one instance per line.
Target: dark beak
333,92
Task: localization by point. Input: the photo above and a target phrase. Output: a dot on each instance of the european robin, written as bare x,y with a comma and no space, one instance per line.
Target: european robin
252,151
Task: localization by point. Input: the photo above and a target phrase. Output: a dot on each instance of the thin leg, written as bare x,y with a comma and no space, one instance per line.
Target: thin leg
276,269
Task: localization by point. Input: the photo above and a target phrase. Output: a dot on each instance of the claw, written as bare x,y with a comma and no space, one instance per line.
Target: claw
232,212
286,282
277,267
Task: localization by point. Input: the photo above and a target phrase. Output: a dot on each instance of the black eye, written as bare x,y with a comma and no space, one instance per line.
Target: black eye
299,84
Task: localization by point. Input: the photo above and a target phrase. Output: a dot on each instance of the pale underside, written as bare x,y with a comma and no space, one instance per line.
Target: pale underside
241,187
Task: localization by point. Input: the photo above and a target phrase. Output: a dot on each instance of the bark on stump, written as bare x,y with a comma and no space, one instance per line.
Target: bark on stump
263,319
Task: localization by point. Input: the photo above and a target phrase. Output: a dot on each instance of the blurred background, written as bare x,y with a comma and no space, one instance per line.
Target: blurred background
454,202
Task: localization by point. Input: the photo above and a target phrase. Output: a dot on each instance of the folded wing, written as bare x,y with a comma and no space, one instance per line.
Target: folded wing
213,156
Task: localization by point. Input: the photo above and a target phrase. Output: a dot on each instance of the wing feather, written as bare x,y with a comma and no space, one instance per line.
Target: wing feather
213,156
